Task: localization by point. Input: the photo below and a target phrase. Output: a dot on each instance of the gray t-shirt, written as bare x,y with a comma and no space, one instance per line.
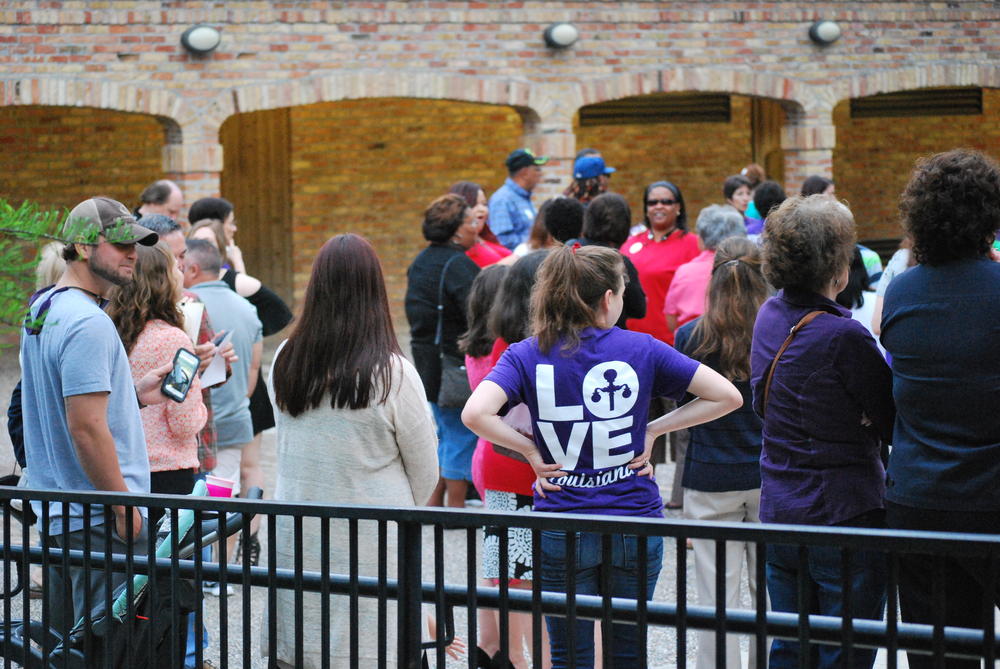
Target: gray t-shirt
77,352
230,404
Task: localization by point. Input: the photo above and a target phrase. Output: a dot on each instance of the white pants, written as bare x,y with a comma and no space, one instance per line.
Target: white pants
227,465
737,506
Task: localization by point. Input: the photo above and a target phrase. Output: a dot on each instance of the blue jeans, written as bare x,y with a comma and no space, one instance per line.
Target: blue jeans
456,443
823,585
625,582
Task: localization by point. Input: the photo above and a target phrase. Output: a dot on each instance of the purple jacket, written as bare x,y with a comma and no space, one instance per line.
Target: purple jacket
820,464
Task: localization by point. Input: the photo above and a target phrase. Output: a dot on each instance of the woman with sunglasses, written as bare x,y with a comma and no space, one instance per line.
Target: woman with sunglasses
658,251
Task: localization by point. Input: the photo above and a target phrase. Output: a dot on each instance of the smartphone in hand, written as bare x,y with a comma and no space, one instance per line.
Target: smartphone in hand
177,383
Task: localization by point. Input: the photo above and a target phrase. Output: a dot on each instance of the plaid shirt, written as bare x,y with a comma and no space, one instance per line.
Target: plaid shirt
207,437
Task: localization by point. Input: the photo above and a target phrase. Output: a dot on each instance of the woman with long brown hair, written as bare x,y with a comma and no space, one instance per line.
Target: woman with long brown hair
151,326
352,428
721,470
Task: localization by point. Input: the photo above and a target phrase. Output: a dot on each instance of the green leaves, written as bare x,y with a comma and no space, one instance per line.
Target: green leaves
23,230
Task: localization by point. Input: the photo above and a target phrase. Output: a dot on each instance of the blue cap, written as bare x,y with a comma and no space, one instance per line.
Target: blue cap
589,167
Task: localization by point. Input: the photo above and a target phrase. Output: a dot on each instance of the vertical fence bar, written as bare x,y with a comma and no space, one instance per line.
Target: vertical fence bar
607,643
88,643
680,548
130,529
223,589
760,638
324,603
847,612
175,615
152,596
298,593
324,588
803,604
720,604
26,560
503,582
46,538
570,542
471,602
247,593
199,608
272,586
940,596
408,596
352,559
383,597
439,614
989,602
891,618
66,618
536,598
644,596
8,565
109,519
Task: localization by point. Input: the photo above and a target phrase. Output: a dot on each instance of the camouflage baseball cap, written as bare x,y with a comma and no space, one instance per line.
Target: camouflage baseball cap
103,216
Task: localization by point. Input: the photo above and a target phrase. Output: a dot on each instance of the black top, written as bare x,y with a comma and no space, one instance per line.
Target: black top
724,454
272,311
422,283
634,299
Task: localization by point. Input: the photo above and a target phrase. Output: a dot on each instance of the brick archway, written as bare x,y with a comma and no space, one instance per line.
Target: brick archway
908,78
379,84
792,92
100,94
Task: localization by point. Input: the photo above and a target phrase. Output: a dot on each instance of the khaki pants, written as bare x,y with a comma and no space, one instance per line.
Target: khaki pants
737,506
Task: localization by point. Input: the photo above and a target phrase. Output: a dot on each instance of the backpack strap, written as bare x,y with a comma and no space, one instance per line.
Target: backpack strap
808,318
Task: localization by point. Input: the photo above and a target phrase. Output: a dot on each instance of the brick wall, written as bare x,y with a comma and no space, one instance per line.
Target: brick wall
874,157
59,156
373,166
695,156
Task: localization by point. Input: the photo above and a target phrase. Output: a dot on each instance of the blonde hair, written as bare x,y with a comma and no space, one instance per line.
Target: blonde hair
218,231
570,285
50,265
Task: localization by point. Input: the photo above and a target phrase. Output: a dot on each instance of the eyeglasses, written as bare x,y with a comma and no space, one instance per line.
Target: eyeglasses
653,203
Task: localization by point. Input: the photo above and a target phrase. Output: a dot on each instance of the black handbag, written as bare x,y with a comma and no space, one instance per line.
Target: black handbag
454,391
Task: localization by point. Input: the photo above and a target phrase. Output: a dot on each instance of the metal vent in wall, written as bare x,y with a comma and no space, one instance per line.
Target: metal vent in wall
923,102
659,108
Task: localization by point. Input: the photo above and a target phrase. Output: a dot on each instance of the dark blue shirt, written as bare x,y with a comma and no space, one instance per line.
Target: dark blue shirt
724,454
830,402
942,327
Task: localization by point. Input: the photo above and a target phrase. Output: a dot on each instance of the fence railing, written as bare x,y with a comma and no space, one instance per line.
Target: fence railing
324,564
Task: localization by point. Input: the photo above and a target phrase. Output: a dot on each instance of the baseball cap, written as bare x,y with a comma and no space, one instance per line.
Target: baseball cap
104,216
589,167
523,158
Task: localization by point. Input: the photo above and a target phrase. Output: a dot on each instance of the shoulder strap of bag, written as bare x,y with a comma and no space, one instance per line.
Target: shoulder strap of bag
440,304
808,318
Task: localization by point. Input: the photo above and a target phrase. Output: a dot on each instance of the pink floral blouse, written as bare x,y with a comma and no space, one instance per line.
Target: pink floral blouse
171,428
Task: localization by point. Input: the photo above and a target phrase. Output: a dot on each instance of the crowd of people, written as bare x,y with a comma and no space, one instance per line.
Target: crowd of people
552,352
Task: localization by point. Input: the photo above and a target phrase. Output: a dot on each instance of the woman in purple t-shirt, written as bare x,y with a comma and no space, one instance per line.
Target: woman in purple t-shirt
587,385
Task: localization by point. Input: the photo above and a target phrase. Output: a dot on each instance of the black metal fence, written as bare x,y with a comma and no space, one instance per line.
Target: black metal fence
150,631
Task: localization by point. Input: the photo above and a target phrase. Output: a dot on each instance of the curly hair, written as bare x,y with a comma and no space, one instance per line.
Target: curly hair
151,295
951,206
807,242
443,216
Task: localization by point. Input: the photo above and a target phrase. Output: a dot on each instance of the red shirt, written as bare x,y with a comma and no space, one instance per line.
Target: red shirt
500,472
485,253
656,263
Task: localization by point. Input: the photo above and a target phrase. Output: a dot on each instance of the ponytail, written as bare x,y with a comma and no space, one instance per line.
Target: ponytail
571,283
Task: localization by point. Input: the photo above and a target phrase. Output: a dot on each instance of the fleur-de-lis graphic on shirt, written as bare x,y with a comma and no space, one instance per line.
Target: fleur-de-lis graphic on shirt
610,375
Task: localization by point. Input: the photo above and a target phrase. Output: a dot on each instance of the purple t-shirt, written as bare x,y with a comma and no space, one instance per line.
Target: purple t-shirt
589,410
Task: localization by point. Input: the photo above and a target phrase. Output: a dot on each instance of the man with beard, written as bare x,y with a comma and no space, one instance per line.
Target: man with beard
82,429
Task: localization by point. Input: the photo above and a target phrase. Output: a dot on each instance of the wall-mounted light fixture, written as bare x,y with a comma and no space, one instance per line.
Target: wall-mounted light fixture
201,39
561,35
824,33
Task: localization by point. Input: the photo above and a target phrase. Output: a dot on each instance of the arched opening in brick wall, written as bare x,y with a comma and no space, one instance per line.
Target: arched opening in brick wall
299,175
880,137
58,156
694,139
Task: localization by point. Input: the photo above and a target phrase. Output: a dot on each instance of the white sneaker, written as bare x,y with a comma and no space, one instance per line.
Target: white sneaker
213,588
